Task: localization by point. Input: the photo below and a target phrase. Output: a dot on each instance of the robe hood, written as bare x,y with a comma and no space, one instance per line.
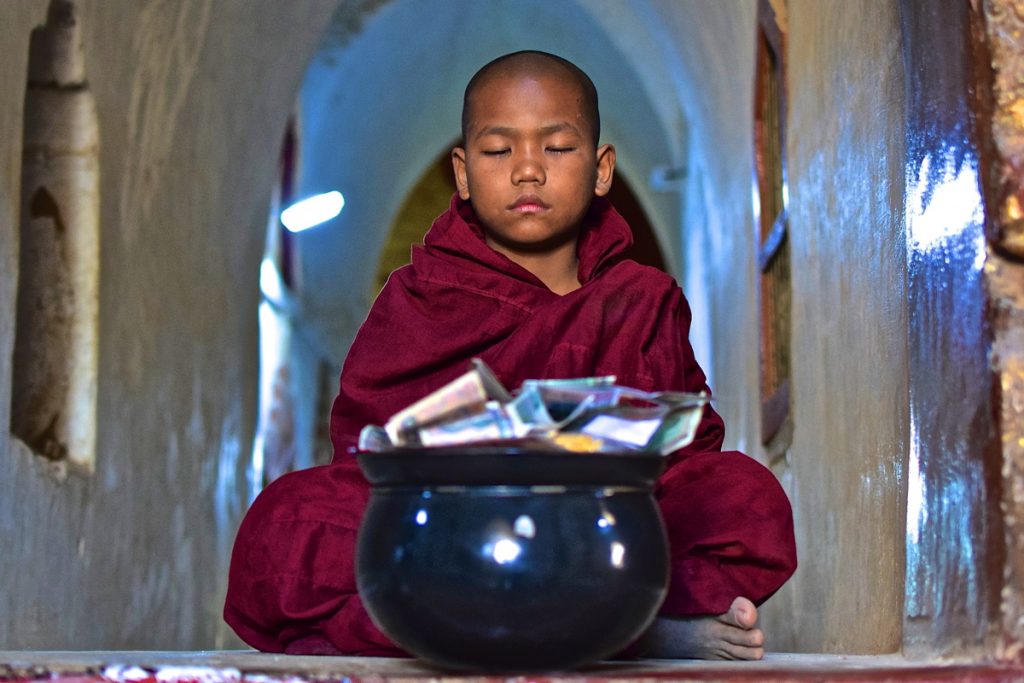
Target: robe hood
457,238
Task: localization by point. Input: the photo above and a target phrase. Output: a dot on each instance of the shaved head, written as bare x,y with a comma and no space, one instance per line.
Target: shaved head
535,63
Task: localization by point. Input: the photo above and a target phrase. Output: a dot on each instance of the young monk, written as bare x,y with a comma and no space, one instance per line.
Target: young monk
525,270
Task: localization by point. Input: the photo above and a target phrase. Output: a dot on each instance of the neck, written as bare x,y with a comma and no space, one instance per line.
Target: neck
557,269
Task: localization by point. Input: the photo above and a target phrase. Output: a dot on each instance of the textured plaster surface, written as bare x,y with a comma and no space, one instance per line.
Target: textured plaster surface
55,357
714,88
1005,32
134,555
1005,283
1004,276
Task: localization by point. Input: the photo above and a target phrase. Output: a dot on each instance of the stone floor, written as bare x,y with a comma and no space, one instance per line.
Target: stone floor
254,667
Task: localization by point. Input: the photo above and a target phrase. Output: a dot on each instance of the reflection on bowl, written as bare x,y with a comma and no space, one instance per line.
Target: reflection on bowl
520,561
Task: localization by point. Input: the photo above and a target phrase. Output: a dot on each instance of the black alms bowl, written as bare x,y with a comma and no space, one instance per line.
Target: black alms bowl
503,559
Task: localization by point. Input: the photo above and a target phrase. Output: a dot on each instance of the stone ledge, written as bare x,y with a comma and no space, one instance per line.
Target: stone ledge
245,666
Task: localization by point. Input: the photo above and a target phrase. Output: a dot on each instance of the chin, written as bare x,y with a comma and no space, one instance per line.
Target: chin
538,245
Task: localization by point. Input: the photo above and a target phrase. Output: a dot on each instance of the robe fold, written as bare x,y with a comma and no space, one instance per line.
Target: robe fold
729,523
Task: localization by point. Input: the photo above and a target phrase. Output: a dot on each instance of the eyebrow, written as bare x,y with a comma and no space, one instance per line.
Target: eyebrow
509,132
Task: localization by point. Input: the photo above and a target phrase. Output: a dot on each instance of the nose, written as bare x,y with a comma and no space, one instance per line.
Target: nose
528,167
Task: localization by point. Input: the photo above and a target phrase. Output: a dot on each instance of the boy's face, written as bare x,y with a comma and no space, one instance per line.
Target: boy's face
529,166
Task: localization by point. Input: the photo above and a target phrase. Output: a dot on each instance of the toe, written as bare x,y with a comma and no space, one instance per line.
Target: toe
745,653
751,638
742,613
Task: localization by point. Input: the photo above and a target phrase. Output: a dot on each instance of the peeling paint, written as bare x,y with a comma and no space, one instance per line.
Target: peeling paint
53,408
1001,113
1004,26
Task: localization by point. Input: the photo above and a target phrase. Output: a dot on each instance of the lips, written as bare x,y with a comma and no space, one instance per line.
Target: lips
528,203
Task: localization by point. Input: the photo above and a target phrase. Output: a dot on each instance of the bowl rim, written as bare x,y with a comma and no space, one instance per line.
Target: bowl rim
508,465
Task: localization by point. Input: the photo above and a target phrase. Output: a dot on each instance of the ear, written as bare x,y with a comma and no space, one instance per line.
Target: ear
605,170
459,167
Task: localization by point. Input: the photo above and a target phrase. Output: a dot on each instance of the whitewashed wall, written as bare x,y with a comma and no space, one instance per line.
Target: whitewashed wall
192,98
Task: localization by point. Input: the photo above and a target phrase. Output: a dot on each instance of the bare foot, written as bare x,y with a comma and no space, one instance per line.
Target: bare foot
732,635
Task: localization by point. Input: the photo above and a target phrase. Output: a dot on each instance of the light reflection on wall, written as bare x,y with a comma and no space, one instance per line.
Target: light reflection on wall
946,254
273,330
944,203
917,513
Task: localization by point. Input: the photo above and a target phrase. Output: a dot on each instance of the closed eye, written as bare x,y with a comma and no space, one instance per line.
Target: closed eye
495,152
561,150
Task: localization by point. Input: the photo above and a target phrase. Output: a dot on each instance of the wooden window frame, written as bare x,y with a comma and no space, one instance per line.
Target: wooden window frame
772,220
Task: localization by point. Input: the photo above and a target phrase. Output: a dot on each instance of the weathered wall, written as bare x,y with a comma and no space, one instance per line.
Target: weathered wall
844,468
1004,279
955,551
712,79
849,453
134,555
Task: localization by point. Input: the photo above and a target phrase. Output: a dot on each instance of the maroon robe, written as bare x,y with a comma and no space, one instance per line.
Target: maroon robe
292,584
